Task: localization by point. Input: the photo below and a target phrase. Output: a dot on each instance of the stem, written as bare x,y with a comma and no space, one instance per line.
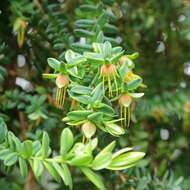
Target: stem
22,124
30,181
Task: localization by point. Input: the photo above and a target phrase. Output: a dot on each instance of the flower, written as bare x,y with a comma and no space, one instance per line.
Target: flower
109,72
130,76
62,81
125,101
88,129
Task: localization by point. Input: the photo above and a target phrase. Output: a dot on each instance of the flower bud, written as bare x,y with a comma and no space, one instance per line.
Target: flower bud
89,129
122,60
62,81
125,100
108,70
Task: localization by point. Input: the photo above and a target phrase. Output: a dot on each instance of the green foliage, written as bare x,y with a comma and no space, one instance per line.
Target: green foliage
78,155
86,51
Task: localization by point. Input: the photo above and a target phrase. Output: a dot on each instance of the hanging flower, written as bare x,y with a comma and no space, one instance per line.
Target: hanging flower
88,129
62,81
20,28
125,101
109,73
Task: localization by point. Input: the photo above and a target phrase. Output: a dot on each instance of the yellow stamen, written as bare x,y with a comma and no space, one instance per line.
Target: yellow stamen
116,87
103,80
125,116
60,97
109,86
129,116
64,95
57,98
121,114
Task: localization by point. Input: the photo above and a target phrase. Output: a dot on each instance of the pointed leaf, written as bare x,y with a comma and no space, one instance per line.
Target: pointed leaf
23,167
93,177
66,141
10,159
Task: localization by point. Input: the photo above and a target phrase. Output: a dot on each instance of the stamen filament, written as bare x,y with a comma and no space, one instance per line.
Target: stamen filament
121,114
129,116
115,81
103,80
64,96
125,116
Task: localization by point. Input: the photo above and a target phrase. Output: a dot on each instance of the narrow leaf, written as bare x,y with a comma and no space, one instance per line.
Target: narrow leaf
93,177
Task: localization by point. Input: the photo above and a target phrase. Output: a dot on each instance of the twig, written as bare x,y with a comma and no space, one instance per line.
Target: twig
22,124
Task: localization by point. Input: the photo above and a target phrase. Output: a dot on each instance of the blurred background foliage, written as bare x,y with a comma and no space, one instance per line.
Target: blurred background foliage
32,31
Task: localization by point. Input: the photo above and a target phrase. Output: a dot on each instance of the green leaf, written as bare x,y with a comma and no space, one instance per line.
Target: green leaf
98,93
3,130
36,145
114,129
88,8
3,71
136,95
109,28
12,145
4,153
105,109
52,171
45,145
78,89
94,57
81,160
63,172
93,177
109,147
96,117
38,168
70,55
76,61
62,68
116,57
66,141
107,49
79,115
116,50
126,159
102,160
54,63
83,33
134,84
10,159
23,167
81,47
100,37
49,76
85,99
17,142
123,150
133,56
84,23
123,70
123,167
67,174
27,149
91,145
